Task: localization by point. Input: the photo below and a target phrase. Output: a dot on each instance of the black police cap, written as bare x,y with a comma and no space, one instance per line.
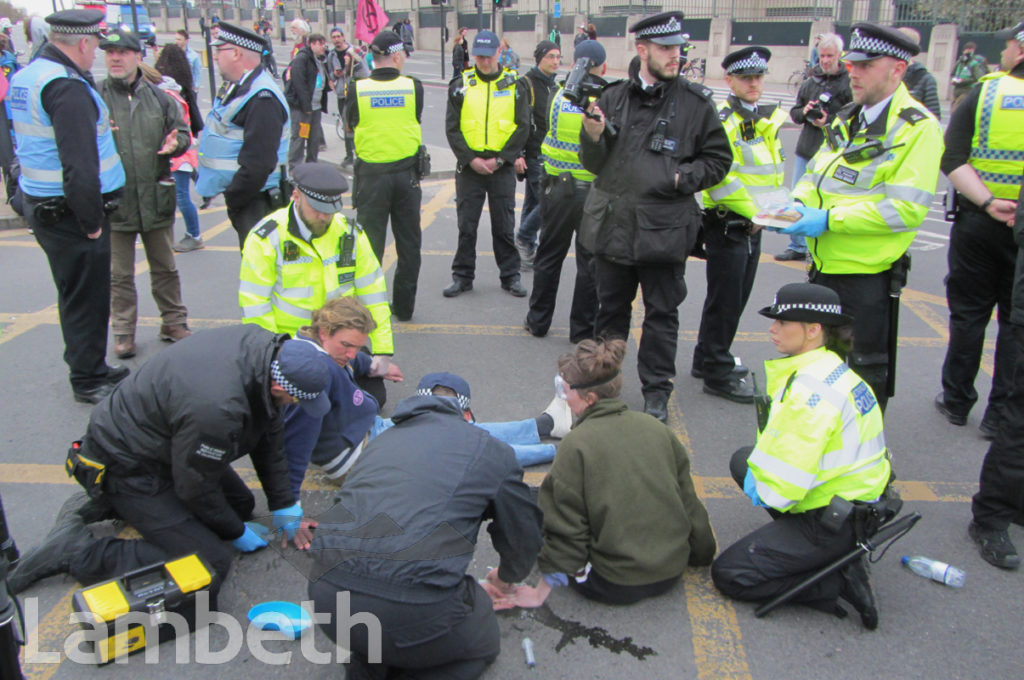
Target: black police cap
870,41
229,34
125,40
386,42
748,61
322,184
809,303
78,22
1012,33
664,29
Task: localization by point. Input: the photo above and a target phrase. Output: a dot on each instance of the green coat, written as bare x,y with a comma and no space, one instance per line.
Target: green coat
141,117
619,495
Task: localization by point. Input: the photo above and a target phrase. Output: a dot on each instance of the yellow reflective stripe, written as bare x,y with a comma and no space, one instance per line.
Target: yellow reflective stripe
281,305
772,497
723,191
254,311
784,471
373,298
369,279
861,452
253,288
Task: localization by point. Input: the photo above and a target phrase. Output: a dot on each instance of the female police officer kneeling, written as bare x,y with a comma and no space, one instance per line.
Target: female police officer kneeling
823,439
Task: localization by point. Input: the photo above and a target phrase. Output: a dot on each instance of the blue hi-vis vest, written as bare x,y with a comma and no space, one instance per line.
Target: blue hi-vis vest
222,140
41,172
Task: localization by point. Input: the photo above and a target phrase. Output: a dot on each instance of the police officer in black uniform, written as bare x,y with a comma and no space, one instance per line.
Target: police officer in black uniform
385,111
71,178
641,217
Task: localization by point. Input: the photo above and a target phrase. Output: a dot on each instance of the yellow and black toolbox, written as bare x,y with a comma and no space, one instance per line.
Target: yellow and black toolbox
135,607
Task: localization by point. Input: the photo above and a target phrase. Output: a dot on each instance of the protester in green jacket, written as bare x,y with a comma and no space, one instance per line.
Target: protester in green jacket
621,518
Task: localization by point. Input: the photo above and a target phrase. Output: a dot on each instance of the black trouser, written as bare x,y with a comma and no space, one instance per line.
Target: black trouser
1000,496
396,195
866,298
664,289
732,256
81,271
169,530
244,217
561,206
982,259
451,639
499,189
600,589
771,560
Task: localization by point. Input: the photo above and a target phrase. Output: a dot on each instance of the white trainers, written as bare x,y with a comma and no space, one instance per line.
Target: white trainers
559,411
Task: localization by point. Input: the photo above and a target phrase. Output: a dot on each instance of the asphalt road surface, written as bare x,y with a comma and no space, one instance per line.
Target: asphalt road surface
926,630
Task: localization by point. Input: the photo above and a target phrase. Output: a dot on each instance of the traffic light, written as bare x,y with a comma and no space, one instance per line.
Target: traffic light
502,3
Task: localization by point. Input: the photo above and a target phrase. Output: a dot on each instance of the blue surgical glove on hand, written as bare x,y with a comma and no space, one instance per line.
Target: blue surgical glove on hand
261,530
750,488
813,224
249,541
287,519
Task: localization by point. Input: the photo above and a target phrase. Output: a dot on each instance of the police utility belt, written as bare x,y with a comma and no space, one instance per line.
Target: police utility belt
726,220
865,516
53,209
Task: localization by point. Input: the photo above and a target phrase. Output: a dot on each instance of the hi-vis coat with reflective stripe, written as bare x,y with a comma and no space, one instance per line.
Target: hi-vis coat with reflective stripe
997,149
874,205
758,162
285,278
823,437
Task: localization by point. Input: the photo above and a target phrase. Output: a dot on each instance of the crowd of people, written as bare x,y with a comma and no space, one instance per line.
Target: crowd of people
644,172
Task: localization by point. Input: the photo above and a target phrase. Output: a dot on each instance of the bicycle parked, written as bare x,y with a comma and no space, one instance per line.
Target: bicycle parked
692,69
797,77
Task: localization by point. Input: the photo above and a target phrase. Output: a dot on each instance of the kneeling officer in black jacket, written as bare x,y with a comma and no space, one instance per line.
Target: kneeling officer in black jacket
165,440
403,533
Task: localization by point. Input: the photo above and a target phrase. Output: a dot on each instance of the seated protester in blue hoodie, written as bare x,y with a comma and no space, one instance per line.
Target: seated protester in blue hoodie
335,441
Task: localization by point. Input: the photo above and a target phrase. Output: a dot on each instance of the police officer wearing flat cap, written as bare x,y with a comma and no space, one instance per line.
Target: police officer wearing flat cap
384,111
866,192
983,160
820,451
245,141
487,123
641,216
732,243
71,177
306,253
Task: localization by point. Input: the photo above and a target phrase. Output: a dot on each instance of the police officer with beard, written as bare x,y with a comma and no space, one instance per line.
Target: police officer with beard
641,217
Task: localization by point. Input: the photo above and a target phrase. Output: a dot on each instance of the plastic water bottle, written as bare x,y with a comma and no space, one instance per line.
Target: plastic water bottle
935,570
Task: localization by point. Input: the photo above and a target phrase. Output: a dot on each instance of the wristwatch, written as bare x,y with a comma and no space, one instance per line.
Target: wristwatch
986,204
500,161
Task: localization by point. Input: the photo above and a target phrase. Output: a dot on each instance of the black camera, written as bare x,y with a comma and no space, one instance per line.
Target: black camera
819,109
578,88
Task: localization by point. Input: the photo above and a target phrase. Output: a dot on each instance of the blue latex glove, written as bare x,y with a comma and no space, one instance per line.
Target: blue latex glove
249,541
261,530
750,488
287,519
813,224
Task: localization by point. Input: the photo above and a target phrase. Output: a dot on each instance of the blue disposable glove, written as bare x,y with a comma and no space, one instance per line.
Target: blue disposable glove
750,488
249,541
813,224
261,530
287,519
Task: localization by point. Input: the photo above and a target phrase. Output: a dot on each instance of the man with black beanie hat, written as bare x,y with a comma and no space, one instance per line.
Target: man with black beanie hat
540,82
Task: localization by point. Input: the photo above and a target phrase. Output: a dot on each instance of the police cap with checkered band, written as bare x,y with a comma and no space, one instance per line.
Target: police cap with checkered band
748,61
1013,33
870,41
386,42
229,34
664,29
809,303
78,22
322,184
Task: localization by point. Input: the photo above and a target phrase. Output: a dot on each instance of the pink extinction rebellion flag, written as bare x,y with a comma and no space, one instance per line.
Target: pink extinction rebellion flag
370,20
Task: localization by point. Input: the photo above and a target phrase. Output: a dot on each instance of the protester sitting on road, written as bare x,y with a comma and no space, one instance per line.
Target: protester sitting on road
335,441
622,520
821,447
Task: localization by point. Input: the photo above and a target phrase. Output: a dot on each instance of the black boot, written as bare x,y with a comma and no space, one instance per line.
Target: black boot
54,555
856,590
